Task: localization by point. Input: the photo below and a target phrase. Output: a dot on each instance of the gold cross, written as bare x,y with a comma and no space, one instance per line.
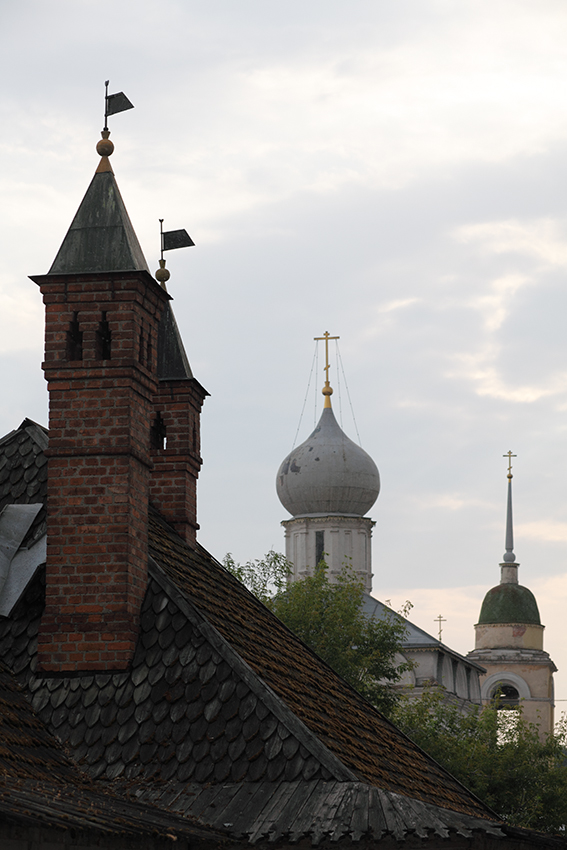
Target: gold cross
326,337
440,620
509,455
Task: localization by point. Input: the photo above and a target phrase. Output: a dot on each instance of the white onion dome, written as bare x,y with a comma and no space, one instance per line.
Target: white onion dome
328,474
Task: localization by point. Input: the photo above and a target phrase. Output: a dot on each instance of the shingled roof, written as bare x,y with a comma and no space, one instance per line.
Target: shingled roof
39,783
220,694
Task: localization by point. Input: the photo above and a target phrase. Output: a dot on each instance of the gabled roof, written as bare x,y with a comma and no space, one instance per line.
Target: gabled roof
224,715
101,237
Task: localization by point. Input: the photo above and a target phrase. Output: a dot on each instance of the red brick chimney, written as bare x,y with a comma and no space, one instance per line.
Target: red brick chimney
175,436
103,310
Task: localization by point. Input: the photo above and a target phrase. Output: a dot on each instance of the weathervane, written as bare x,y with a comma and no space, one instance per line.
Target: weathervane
114,103
327,389
169,240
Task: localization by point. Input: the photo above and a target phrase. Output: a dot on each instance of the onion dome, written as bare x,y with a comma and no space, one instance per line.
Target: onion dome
328,474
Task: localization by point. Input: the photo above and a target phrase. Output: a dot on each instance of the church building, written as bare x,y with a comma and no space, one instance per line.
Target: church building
328,484
509,641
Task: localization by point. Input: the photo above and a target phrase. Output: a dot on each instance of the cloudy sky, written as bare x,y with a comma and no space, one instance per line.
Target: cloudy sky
392,171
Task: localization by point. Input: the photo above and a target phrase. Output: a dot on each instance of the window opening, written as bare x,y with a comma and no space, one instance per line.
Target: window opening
103,339
319,546
74,339
158,433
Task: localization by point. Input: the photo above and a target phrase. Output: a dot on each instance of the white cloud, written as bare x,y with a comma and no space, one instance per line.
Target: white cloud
543,239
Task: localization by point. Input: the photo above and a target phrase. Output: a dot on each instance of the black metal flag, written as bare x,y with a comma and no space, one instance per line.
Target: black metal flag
117,103
114,103
176,239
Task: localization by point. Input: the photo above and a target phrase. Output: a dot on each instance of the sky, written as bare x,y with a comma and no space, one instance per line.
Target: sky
392,172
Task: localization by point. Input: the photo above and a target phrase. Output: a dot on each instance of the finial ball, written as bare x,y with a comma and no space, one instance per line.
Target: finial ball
162,275
327,390
105,147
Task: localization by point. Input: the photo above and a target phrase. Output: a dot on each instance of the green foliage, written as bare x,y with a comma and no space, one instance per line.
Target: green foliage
495,753
327,616
262,577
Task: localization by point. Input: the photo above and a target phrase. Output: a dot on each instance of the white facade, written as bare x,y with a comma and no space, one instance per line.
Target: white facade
340,540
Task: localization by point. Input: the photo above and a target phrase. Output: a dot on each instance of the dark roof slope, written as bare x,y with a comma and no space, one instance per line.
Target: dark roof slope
23,472
101,237
172,359
350,728
40,784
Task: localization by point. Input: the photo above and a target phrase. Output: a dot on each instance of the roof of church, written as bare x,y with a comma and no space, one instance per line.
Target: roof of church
509,603
415,637
328,474
101,237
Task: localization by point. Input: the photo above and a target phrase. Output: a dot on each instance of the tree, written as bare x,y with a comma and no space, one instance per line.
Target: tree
328,617
495,753
263,577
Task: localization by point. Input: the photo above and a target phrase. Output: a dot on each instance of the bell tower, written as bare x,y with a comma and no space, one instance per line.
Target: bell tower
509,640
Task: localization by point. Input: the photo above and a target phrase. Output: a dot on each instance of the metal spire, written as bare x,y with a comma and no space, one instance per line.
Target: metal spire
509,565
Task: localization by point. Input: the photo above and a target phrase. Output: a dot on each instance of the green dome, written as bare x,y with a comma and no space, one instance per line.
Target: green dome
509,603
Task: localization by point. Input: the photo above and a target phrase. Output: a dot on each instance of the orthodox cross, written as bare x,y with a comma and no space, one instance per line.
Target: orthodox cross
509,455
440,620
326,337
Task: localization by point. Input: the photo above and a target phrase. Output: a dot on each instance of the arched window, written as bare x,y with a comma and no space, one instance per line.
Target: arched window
505,695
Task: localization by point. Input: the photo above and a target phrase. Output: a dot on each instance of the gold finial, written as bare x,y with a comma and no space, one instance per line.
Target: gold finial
327,389
509,455
105,147
162,274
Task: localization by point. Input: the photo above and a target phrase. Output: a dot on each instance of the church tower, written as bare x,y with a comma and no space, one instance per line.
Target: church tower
328,484
509,641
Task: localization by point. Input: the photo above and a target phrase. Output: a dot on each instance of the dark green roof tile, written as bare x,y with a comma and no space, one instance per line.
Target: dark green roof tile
509,603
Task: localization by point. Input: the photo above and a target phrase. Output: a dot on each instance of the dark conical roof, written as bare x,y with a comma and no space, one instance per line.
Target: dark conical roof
172,359
101,237
509,603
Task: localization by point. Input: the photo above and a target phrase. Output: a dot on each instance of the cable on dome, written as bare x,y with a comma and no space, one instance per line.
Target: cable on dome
305,399
339,384
316,373
348,394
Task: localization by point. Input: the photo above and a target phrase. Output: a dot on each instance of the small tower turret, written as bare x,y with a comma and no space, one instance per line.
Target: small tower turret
509,640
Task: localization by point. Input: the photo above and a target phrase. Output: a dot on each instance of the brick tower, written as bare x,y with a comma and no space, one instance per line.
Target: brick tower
104,329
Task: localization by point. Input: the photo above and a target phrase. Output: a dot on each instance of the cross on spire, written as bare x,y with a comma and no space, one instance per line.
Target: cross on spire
440,620
509,455
327,389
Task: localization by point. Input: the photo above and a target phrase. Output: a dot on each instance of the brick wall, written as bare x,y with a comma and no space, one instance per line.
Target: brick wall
100,365
176,453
